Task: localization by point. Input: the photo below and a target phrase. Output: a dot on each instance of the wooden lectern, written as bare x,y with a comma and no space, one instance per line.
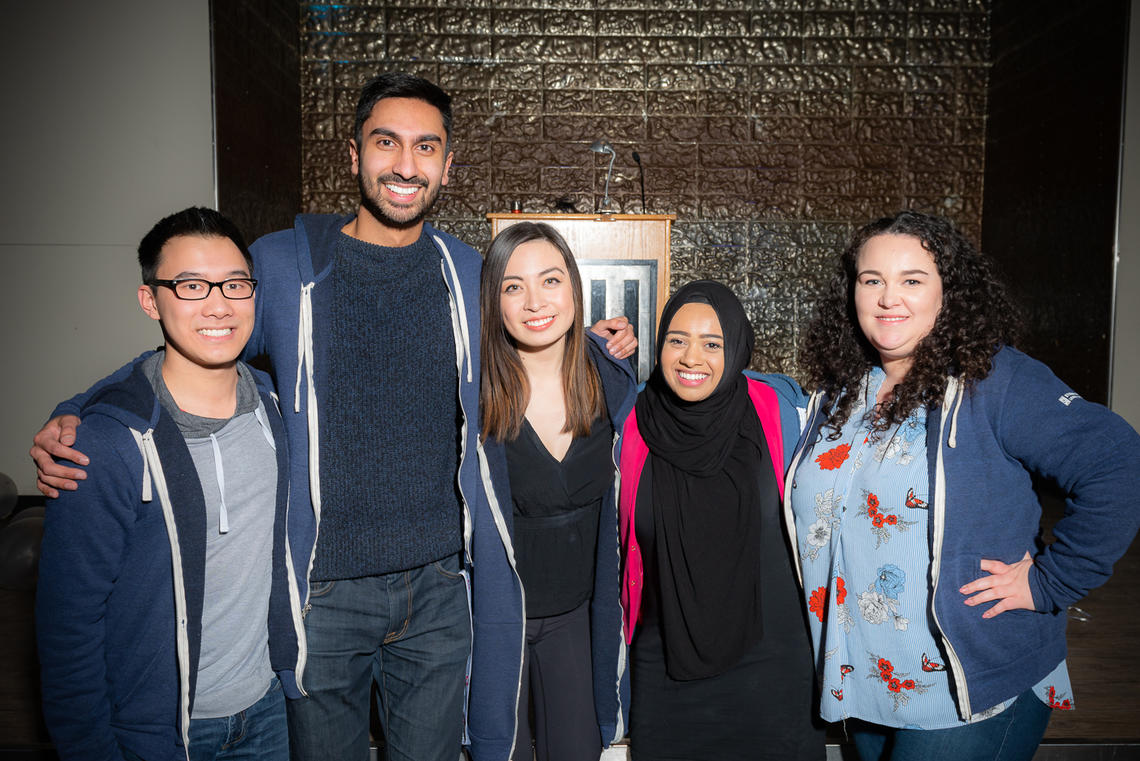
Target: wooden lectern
624,261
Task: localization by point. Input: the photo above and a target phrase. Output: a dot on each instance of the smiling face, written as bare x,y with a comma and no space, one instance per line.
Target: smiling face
209,333
692,357
402,162
898,294
536,297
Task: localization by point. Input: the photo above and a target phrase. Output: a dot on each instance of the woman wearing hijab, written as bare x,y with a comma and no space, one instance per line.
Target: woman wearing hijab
720,654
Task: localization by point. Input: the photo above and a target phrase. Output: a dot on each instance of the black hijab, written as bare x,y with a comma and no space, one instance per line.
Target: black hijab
708,470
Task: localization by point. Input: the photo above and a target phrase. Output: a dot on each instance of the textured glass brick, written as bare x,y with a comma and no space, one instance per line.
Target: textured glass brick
932,25
726,103
516,102
879,103
465,21
413,20
932,104
619,102
590,76
825,104
568,101
777,5
563,22
829,24
673,103
673,77
671,23
881,24
670,157
620,22
725,23
513,21
647,49
971,131
953,51
590,128
775,103
467,76
837,157
769,25
934,130
518,76
874,130
564,179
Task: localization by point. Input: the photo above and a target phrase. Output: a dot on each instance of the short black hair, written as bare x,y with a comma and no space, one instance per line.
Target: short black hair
400,84
196,221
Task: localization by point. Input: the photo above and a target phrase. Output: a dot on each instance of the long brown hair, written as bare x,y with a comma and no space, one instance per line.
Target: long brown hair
504,391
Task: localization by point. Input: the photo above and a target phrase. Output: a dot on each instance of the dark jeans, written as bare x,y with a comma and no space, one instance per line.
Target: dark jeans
409,633
1012,735
259,732
558,679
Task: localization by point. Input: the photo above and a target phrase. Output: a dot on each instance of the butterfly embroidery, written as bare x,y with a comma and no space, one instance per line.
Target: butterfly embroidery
929,665
913,501
844,670
837,694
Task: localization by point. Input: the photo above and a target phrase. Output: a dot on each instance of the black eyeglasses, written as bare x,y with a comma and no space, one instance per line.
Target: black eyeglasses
194,289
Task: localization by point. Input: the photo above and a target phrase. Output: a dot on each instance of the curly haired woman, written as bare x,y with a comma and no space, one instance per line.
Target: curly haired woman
937,614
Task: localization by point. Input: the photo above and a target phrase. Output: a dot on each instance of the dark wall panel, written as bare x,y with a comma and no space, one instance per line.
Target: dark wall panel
1052,154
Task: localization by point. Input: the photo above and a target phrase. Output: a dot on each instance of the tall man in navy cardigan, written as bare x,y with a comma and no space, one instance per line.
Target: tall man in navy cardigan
371,325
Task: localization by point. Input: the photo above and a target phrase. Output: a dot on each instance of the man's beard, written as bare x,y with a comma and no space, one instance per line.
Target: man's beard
369,201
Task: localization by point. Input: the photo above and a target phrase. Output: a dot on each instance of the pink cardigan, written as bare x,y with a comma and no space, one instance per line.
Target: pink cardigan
633,454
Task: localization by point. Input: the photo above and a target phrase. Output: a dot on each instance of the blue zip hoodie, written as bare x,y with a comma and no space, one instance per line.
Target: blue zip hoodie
982,445
607,645
121,580
291,266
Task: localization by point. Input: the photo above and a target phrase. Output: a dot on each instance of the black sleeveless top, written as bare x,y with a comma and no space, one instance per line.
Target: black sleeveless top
556,510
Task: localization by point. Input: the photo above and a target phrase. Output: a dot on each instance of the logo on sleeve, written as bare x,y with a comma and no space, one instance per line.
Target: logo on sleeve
1069,398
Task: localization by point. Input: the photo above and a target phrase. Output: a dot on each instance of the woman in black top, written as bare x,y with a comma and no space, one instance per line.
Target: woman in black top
552,399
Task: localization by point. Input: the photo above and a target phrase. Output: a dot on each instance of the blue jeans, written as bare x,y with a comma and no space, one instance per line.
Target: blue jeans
409,633
259,732
1012,735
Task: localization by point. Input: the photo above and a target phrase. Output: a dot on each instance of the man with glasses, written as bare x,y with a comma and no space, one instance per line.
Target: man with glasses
165,616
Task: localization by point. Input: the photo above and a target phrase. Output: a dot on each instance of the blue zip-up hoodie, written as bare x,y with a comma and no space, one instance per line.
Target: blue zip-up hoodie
121,580
982,445
607,645
291,266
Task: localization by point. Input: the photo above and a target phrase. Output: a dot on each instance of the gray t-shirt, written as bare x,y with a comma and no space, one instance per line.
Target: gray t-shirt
237,466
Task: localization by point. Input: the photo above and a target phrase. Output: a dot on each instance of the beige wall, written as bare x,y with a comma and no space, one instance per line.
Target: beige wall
107,126
1126,334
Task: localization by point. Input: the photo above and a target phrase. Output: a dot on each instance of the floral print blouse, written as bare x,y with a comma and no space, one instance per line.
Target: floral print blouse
860,504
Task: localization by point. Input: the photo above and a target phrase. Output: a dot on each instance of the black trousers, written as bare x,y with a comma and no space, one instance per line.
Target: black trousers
557,683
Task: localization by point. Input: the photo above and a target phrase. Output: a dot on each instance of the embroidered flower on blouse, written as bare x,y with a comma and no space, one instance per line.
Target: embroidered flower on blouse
898,685
880,521
817,602
1054,702
889,581
834,457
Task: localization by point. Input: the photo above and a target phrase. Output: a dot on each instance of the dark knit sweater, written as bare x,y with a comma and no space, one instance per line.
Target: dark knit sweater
388,416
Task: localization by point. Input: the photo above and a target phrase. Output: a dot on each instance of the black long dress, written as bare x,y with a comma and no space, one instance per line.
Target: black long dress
761,708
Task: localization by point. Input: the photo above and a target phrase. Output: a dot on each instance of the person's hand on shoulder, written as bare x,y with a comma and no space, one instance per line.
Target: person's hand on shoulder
618,332
53,441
